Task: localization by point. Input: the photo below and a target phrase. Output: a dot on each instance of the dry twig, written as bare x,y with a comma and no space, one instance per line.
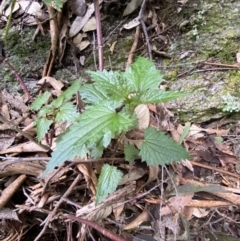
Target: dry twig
54,211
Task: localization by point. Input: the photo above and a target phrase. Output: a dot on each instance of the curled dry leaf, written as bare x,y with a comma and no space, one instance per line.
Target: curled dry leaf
132,176
30,7
24,147
132,24
84,44
89,176
90,25
132,6
143,115
80,21
200,212
56,84
144,216
176,204
78,7
8,10
118,208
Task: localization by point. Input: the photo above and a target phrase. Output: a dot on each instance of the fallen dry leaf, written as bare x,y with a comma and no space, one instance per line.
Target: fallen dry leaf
132,24
7,138
118,207
143,115
80,21
132,6
89,176
56,84
200,212
176,204
7,213
24,147
132,176
30,7
90,25
144,216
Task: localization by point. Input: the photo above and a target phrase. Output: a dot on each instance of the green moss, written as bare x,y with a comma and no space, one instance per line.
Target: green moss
233,83
171,75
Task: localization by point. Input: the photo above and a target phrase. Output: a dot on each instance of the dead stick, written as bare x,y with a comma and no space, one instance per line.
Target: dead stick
215,169
8,192
134,47
145,29
223,65
19,79
99,35
107,233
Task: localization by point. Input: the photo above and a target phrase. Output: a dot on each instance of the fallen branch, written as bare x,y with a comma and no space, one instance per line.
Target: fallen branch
107,233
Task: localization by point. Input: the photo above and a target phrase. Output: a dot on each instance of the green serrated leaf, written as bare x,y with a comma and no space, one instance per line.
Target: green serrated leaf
114,85
43,125
55,104
159,96
159,149
67,113
57,4
67,94
107,138
92,95
108,181
45,110
130,152
96,151
40,101
90,129
143,75
72,90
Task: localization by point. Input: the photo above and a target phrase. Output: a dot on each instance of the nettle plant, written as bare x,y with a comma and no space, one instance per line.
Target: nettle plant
110,101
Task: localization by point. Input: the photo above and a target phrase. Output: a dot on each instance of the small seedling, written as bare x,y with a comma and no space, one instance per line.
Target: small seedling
110,102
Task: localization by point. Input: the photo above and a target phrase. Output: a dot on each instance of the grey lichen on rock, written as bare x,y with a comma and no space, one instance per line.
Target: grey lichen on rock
217,41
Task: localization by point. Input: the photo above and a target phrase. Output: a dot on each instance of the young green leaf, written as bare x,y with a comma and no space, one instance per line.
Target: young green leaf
40,101
143,75
55,104
96,151
90,129
159,149
67,113
67,94
57,4
43,125
45,110
184,133
73,89
159,96
130,152
92,94
112,83
108,181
